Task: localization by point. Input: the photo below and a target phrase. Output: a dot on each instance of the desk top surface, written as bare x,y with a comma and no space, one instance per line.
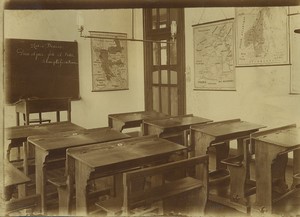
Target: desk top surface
179,121
137,116
13,176
70,139
226,128
34,99
284,138
22,132
124,151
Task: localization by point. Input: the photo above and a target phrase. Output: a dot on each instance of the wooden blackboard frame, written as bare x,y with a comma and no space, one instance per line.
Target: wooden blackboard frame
40,69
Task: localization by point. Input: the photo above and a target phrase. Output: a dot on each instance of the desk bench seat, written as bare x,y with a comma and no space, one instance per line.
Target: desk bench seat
134,134
61,184
23,203
241,186
163,190
15,178
58,182
114,205
236,161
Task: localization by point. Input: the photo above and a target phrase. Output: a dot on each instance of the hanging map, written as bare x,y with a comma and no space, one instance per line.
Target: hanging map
214,56
109,61
262,36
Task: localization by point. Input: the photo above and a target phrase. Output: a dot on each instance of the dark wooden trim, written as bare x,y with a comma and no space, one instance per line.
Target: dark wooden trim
181,60
103,4
147,80
179,67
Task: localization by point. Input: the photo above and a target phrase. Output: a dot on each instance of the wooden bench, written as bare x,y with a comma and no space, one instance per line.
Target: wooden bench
15,178
61,184
187,194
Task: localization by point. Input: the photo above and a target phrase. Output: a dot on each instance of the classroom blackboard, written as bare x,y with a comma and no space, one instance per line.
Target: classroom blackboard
40,69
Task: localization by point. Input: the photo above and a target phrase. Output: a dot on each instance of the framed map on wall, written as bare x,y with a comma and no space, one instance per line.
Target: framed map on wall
109,61
262,36
214,55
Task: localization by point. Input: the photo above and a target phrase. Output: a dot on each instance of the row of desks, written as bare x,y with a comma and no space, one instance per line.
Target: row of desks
113,157
53,146
50,142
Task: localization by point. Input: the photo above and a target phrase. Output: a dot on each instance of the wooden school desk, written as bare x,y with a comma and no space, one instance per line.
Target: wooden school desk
15,178
36,105
100,160
53,147
172,128
219,134
131,119
271,148
18,135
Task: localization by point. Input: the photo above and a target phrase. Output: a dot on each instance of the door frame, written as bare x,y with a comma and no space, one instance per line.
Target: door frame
180,37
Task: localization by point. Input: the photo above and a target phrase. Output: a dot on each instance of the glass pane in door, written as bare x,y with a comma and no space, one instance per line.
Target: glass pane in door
163,18
155,91
173,53
173,15
154,19
173,79
174,101
155,48
165,100
155,78
164,77
163,53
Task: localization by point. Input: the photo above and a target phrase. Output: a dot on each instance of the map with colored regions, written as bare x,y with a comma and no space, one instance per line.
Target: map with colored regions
214,56
109,61
262,36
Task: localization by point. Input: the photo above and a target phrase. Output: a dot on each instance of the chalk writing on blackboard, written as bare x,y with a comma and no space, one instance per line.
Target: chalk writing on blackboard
41,68
48,54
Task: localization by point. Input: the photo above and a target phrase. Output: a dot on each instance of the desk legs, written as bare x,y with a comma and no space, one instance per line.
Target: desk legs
26,156
240,175
22,188
66,196
222,151
296,166
200,143
15,143
18,119
40,176
202,174
116,124
265,154
82,175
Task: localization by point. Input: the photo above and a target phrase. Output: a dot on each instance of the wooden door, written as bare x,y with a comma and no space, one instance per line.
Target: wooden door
164,62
